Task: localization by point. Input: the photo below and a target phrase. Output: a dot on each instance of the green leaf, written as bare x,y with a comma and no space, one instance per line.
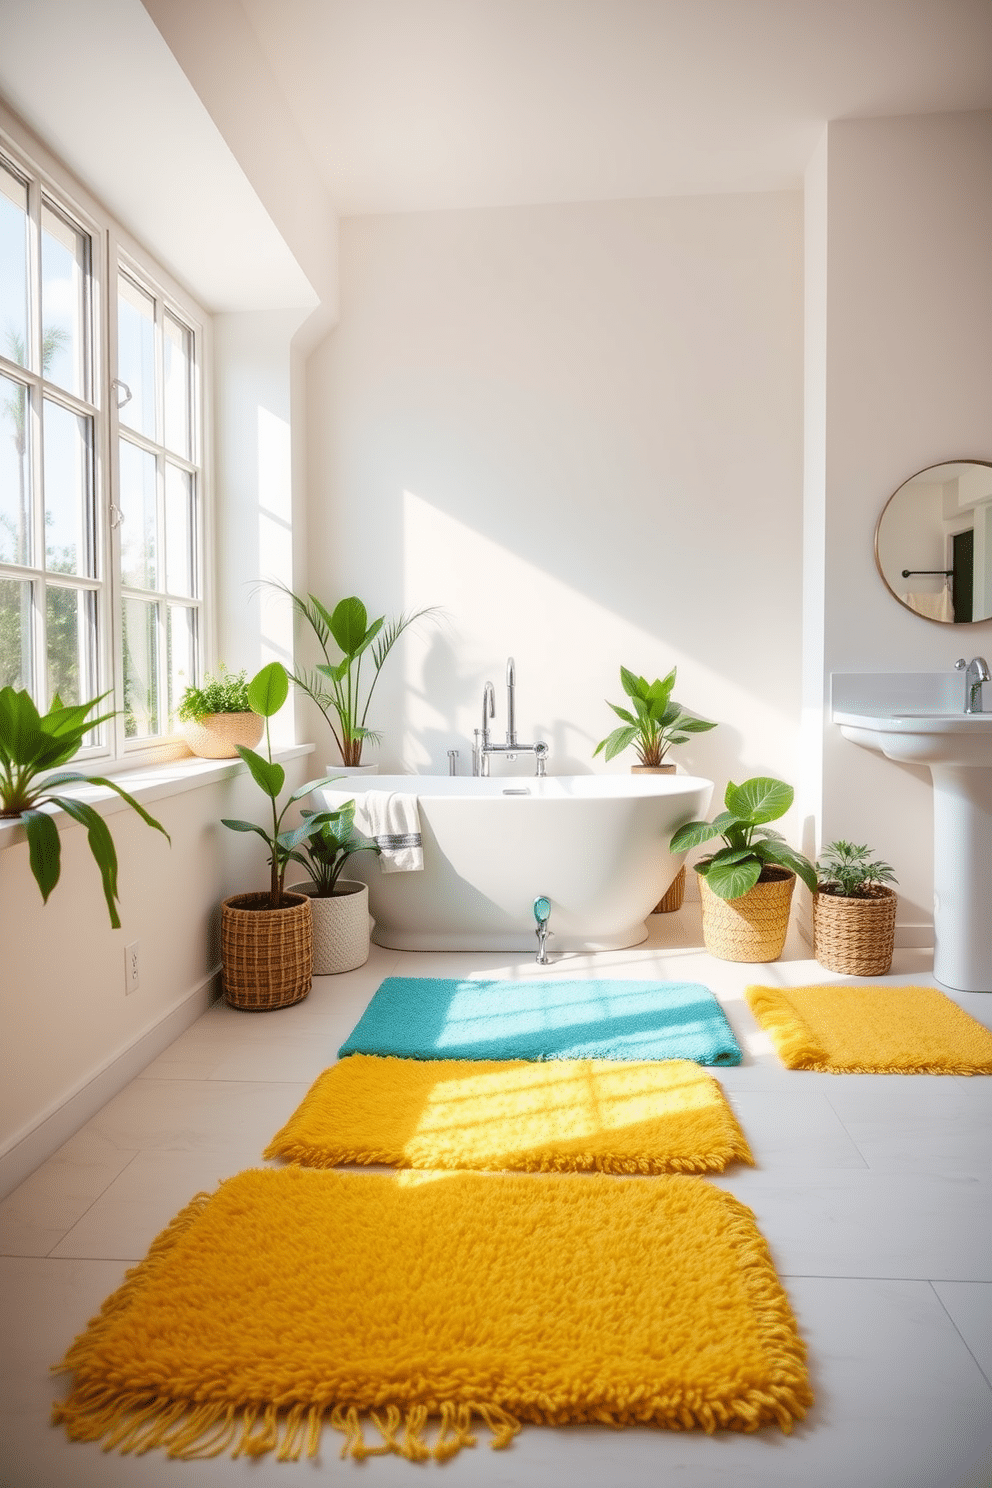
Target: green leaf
101,846
691,835
689,724
349,624
44,848
624,713
243,826
65,776
619,740
312,785
633,686
267,774
730,879
268,689
787,857
760,800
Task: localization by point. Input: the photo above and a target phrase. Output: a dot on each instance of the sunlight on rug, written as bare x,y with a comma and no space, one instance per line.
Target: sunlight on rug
292,1298
564,1115
872,1030
437,1018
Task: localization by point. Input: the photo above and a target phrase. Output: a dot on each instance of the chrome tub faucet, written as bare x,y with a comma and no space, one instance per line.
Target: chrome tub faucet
976,672
484,748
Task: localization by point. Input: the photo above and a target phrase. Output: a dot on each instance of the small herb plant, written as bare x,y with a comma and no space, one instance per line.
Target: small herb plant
326,852
848,871
751,846
224,693
656,722
31,744
267,692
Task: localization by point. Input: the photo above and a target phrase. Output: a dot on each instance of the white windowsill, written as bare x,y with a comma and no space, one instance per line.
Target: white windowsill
147,783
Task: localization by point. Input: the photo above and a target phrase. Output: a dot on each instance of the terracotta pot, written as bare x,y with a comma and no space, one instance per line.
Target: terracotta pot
855,936
266,953
675,893
216,735
752,927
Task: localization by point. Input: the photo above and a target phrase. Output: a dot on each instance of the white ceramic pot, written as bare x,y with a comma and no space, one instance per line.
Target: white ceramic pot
351,769
341,926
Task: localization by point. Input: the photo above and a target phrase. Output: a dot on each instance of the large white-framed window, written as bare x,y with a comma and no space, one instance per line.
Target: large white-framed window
102,473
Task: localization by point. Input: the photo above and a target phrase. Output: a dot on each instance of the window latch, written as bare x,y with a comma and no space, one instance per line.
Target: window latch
116,515
126,391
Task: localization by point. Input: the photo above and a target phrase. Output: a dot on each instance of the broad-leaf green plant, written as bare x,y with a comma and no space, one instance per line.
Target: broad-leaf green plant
267,692
328,850
849,871
31,746
342,686
226,692
750,846
653,722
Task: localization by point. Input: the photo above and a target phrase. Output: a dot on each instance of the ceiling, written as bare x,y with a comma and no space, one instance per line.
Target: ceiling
408,105
182,115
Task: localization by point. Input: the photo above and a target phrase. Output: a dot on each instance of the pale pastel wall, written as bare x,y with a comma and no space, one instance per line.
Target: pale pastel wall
578,429
908,384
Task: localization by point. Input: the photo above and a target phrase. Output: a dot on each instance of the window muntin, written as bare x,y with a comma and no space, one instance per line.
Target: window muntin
101,489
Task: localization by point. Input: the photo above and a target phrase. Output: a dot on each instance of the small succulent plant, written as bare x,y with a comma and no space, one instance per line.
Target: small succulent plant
848,871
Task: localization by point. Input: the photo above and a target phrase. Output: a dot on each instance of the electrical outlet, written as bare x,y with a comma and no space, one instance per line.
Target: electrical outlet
131,982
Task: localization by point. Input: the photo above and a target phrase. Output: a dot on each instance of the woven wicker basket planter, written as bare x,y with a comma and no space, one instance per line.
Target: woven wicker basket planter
217,735
340,927
855,936
752,927
266,954
675,895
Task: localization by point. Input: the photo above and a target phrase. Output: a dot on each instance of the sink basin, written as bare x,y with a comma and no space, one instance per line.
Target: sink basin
957,750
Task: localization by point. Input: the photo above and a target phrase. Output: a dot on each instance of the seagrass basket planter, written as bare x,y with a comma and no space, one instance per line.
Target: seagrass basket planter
855,935
675,893
752,927
266,953
217,735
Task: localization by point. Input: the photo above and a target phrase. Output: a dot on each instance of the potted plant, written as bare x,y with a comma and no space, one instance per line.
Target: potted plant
267,937
854,911
746,885
216,716
656,724
337,684
32,745
339,906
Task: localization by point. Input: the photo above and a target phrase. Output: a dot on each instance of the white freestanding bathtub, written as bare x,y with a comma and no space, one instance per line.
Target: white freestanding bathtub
596,846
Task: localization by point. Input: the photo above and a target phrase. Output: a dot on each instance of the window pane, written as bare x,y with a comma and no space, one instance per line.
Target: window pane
71,615
68,491
181,659
141,715
65,256
15,634
136,355
139,529
13,267
15,490
178,531
178,385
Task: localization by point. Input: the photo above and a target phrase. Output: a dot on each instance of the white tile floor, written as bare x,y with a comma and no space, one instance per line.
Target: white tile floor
874,1193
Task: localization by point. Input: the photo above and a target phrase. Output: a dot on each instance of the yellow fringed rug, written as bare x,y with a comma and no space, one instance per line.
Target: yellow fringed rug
872,1030
412,1306
565,1116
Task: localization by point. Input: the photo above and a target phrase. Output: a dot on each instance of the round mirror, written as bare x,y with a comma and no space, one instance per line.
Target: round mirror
933,542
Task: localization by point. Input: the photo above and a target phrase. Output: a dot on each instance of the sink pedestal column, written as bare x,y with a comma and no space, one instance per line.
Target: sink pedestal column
962,877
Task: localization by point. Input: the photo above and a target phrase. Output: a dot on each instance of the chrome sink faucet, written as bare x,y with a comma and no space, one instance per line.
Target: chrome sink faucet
484,748
976,672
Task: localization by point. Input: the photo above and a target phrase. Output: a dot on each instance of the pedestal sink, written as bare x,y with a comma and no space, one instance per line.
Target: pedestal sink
957,750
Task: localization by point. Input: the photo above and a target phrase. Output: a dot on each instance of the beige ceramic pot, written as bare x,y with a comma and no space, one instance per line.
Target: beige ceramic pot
341,926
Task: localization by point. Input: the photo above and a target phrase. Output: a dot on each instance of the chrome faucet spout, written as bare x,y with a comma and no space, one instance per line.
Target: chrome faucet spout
976,672
484,748
511,704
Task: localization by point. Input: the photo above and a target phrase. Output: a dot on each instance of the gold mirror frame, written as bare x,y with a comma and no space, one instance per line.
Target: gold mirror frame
936,602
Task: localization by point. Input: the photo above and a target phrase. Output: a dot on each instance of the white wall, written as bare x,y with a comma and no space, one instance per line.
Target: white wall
898,272
578,429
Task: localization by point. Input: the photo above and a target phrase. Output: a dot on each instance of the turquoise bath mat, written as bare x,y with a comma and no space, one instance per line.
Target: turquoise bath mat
431,1018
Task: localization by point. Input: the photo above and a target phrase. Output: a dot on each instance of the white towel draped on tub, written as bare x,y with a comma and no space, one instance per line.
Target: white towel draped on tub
392,819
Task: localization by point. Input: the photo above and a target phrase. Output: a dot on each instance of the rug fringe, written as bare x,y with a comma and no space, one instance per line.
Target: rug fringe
793,1040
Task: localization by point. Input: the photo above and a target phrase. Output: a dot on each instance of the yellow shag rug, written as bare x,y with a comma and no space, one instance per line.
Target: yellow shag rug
564,1115
872,1030
412,1307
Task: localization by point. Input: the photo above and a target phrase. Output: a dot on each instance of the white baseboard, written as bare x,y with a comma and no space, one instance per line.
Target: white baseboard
29,1148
